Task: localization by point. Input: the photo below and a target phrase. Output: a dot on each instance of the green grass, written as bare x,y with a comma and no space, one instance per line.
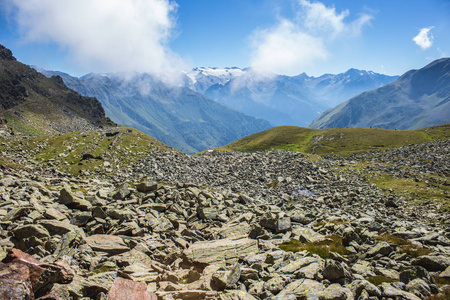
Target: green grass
403,245
333,243
392,239
66,150
417,192
342,141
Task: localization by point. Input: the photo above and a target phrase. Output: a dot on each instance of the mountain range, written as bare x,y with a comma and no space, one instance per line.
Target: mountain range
419,98
183,115
173,114
292,100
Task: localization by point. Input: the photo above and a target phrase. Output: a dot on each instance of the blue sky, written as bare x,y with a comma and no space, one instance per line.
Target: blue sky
278,36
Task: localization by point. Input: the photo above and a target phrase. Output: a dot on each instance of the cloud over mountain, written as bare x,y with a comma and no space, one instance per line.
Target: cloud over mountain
106,35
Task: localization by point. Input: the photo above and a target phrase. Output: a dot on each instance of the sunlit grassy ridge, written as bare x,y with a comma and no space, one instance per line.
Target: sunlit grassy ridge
115,148
342,141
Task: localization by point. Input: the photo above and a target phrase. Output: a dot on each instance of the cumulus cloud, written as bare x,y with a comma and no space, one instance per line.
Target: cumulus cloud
424,39
285,48
104,35
292,44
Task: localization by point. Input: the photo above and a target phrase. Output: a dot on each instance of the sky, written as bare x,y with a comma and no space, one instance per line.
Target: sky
276,36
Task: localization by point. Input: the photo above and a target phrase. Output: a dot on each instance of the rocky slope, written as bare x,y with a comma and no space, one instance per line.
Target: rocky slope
222,225
34,104
419,98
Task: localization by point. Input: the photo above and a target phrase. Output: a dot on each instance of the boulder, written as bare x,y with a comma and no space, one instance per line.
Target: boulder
71,200
301,289
127,289
109,244
147,186
432,263
26,275
224,251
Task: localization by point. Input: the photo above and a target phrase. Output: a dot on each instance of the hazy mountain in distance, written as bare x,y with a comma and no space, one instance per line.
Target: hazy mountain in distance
175,115
292,100
417,99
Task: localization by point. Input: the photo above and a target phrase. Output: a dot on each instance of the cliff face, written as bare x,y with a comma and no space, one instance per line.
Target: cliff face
35,104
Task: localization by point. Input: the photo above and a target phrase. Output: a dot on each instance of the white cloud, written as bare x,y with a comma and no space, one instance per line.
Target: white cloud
285,49
290,45
319,18
104,35
424,39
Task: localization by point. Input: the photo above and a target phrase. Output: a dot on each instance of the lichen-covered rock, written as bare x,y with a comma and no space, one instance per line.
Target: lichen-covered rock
300,288
223,251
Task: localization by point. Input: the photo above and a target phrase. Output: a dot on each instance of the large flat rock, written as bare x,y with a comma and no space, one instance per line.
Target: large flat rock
110,244
225,251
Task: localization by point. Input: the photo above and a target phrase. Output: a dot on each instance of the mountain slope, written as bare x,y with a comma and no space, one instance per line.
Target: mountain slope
34,104
177,116
342,141
419,98
296,100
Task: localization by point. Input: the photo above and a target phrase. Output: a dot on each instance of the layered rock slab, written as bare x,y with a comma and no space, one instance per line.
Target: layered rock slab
224,251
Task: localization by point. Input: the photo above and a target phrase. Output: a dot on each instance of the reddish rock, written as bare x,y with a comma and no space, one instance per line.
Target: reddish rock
22,275
14,282
129,289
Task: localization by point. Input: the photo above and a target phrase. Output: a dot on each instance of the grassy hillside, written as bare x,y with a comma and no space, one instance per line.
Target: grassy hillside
342,141
84,151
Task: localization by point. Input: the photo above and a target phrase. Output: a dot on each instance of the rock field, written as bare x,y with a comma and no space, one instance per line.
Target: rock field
219,225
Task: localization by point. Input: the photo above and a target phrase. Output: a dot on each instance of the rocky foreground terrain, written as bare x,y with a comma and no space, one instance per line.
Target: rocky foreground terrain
223,225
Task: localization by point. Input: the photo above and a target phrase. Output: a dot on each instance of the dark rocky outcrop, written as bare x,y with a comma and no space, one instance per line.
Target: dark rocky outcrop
36,104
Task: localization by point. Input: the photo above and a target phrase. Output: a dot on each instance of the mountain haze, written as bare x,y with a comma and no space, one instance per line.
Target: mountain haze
292,100
419,98
175,115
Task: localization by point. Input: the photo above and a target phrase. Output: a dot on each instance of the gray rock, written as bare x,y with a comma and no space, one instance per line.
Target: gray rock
223,251
109,244
336,271
419,288
433,263
147,186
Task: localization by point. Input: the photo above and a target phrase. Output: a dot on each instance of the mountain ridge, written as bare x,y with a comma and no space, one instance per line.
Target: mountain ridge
293,100
34,104
419,98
